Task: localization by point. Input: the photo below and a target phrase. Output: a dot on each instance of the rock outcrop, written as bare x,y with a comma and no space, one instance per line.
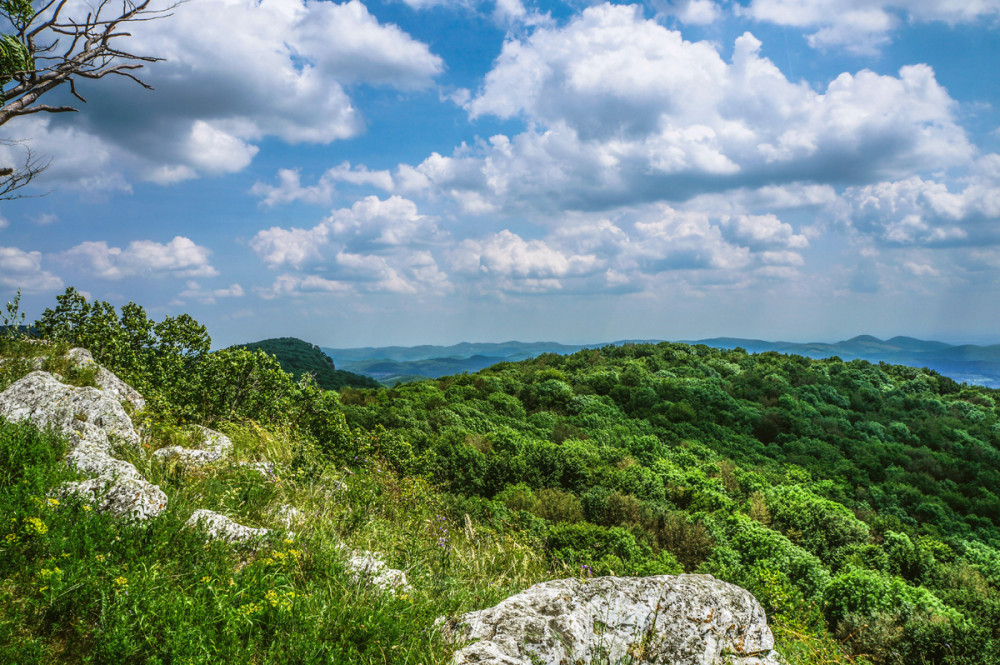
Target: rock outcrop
214,447
107,381
220,527
93,420
668,620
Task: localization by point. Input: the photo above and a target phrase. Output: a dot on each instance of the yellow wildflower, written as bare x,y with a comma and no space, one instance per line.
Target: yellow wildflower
53,502
36,525
121,581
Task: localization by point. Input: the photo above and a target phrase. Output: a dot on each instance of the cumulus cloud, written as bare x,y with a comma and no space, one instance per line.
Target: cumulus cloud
205,296
290,188
594,254
369,223
375,245
181,257
862,26
916,211
21,269
235,72
621,110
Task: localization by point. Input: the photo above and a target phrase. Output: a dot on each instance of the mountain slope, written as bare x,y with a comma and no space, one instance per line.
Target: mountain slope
298,357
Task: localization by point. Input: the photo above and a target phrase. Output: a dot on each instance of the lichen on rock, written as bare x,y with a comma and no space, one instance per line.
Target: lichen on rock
675,620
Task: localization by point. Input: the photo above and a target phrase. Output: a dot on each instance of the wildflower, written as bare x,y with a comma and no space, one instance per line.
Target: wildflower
272,597
206,579
37,526
100,558
53,502
11,538
86,507
122,582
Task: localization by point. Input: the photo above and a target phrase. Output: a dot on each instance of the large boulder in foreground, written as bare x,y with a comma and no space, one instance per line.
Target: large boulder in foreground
92,421
668,620
45,402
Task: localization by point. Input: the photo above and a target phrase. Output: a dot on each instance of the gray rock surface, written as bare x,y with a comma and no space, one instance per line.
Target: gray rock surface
45,402
107,381
92,420
220,527
214,446
126,496
668,620
367,566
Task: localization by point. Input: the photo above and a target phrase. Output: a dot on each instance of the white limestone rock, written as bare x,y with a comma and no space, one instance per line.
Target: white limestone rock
220,527
367,566
214,447
126,496
667,620
107,381
87,417
45,402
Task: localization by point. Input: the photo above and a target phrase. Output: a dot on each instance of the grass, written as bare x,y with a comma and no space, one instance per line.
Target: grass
81,587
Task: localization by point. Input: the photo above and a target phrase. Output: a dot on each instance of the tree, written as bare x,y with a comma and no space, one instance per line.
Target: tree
48,48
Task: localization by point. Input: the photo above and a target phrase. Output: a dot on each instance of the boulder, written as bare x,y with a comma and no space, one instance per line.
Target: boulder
90,418
367,566
214,446
45,402
220,527
126,496
668,620
107,381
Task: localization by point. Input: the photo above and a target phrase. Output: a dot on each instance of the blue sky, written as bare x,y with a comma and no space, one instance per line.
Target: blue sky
432,171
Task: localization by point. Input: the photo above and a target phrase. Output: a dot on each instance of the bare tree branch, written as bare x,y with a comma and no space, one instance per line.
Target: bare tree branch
45,47
14,178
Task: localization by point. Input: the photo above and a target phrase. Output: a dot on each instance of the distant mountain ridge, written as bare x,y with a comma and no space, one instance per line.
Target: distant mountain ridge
967,363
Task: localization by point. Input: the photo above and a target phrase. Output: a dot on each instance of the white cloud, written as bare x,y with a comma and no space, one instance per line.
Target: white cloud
621,111
45,219
370,223
3,222
862,26
289,187
235,72
179,258
23,270
375,245
195,291
762,232
915,211
295,285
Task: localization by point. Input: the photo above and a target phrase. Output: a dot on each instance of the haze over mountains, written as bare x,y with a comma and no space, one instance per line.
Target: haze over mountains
966,363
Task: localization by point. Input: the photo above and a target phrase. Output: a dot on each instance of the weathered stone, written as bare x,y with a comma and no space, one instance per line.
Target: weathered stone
367,566
214,446
45,402
107,381
675,620
220,527
290,516
87,416
126,496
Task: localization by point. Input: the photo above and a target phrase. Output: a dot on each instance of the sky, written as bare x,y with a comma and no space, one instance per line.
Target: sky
434,171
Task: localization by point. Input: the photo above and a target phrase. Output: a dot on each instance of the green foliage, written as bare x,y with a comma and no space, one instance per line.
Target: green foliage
299,358
857,502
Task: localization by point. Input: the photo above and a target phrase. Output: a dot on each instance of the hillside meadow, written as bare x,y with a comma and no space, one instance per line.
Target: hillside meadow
858,502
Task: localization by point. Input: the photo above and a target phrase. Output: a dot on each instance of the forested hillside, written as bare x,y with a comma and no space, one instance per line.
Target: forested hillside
858,502
859,497
297,358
